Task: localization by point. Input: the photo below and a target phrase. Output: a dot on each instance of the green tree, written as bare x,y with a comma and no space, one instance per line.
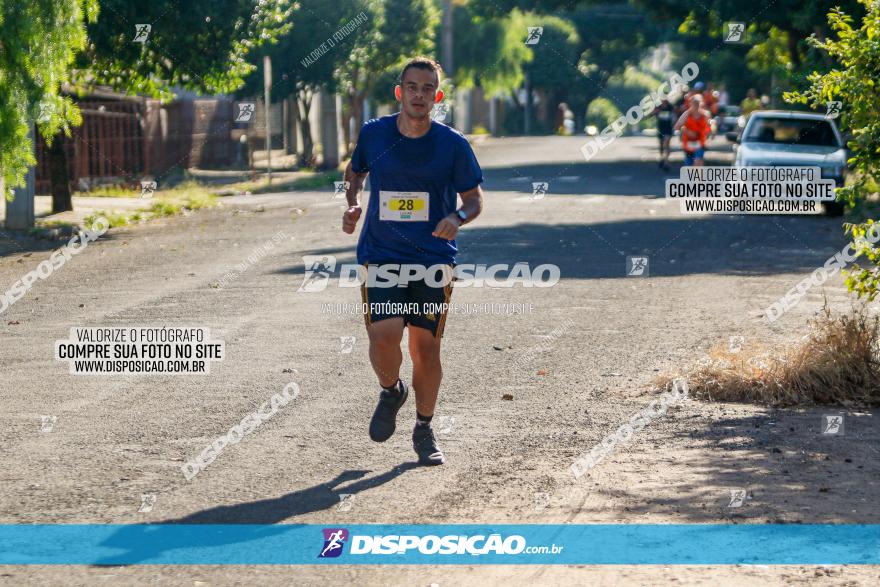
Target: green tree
553,71
613,36
608,37
775,48
395,31
200,45
796,19
295,73
854,82
601,112
38,41
488,52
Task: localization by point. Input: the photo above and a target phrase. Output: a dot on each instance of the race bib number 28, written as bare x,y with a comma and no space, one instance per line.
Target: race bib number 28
404,206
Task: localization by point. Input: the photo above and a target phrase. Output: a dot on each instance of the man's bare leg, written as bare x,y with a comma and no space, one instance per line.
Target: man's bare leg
424,349
385,336
385,354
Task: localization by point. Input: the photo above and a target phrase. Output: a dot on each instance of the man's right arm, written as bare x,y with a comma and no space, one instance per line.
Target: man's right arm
354,183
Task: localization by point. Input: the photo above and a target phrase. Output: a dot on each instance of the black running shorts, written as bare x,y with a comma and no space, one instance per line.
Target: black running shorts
418,302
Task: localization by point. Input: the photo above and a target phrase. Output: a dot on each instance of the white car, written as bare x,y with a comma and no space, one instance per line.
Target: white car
787,138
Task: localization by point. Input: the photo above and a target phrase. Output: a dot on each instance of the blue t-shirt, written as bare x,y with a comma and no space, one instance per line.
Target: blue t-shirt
440,162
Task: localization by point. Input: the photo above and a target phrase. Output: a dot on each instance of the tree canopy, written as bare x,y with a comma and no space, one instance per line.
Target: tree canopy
853,81
39,40
201,45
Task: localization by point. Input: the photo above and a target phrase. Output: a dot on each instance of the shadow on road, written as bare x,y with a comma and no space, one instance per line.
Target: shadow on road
631,170
305,501
789,470
723,245
619,178
12,242
720,245
254,518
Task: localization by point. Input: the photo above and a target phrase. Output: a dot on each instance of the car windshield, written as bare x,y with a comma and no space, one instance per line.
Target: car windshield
791,131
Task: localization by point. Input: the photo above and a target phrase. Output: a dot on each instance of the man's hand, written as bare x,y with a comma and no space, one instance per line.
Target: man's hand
350,219
448,227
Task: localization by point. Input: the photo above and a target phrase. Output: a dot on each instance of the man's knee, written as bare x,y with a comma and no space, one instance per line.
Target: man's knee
425,353
385,335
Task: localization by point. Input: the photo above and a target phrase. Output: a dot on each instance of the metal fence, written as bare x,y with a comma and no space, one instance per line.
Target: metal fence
123,141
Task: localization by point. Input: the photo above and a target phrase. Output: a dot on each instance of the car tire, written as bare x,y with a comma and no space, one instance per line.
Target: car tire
833,209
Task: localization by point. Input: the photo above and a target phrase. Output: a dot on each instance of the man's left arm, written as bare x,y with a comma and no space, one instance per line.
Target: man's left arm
471,206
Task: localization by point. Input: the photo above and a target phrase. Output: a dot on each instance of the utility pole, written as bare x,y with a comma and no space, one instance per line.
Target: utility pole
447,37
527,111
267,88
773,90
329,129
20,211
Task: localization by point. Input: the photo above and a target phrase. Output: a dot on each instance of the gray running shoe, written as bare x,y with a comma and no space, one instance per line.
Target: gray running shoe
385,417
425,446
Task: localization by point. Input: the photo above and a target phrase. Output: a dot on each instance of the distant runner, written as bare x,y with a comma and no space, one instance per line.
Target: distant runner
665,112
710,100
697,90
417,167
695,128
750,103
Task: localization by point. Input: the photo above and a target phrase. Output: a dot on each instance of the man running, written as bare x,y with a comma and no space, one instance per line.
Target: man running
416,168
664,112
695,128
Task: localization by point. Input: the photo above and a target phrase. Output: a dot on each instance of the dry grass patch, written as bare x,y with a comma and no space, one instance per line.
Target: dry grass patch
837,362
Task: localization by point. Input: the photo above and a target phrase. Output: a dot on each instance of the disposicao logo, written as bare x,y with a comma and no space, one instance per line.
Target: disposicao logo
397,544
334,539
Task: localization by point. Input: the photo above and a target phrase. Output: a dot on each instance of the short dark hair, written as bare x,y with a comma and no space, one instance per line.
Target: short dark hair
425,63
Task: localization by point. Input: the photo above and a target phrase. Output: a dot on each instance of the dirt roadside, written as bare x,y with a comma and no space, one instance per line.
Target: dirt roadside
117,438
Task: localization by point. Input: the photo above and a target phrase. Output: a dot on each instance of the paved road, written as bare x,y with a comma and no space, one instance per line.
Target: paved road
581,363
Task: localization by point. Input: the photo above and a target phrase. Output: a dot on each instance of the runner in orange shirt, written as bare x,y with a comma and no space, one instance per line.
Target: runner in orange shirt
695,128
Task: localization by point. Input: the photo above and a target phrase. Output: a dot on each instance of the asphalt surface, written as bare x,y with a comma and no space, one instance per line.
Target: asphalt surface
578,365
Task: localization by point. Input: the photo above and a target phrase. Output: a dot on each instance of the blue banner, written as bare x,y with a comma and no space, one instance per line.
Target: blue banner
294,544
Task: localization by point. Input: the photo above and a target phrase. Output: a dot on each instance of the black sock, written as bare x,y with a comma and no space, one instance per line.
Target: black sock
423,420
394,389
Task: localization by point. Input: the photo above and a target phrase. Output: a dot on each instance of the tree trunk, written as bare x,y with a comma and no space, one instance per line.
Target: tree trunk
529,106
297,127
793,52
285,125
344,118
354,111
59,177
357,113
305,102
329,130
515,98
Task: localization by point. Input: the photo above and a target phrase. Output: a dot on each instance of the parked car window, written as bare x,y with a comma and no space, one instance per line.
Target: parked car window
792,131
